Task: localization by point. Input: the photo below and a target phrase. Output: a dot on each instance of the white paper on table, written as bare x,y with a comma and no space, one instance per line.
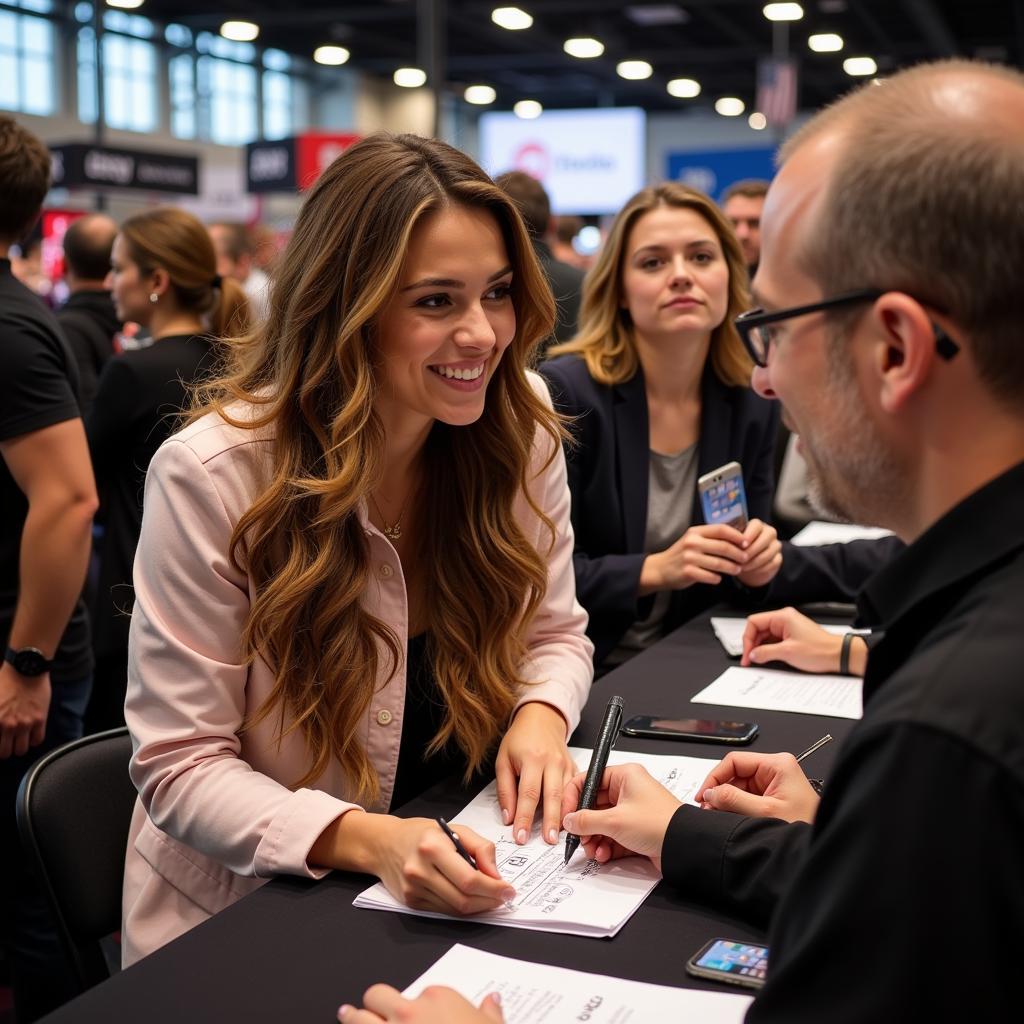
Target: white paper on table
578,898
730,632
770,690
816,532
535,993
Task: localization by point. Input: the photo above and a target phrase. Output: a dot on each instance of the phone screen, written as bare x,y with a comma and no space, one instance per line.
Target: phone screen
725,502
691,728
735,959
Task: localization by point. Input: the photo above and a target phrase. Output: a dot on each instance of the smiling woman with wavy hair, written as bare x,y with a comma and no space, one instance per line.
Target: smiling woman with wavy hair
355,571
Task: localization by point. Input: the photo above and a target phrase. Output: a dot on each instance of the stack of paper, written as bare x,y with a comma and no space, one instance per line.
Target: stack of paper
535,993
578,898
837,696
817,532
730,632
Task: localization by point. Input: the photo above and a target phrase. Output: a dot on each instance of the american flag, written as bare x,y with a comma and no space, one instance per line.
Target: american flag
776,91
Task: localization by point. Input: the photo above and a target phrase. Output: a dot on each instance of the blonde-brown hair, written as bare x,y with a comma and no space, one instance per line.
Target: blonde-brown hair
605,338
309,377
175,241
927,200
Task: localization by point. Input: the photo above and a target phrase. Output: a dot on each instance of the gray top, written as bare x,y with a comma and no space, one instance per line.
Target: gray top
672,484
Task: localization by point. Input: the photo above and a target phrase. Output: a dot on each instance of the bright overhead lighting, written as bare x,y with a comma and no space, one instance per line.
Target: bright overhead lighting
730,106
240,31
583,48
479,94
757,121
684,88
825,42
125,5
783,12
410,78
331,55
634,70
511,18
527,109
860,65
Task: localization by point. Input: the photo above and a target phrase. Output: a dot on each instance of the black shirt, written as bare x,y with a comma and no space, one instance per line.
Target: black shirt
139,400
905,900
89,324
421,719
39,391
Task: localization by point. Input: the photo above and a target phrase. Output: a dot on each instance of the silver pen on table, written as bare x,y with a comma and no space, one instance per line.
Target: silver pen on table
827,738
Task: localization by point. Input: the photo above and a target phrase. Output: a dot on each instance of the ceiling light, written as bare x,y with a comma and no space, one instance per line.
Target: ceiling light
410,78
684,88
584,48
825,42
331,55
730,106
479,94
783,12
511,18
527,109
860,65
634,70
124,5
240,31
757,121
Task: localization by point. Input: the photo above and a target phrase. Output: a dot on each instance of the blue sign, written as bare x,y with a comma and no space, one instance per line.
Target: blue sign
714,170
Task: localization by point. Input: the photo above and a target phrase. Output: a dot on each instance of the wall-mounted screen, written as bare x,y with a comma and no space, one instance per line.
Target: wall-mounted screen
590,161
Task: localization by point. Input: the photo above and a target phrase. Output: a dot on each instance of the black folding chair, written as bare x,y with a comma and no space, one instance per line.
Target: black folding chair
74,809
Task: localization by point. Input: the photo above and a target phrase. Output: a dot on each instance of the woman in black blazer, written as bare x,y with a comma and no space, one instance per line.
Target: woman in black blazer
657,383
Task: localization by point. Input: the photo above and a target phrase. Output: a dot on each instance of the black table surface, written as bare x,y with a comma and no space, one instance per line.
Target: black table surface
295,949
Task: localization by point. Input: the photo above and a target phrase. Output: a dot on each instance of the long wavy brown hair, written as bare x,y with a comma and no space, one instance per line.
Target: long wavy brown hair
308,378
605,336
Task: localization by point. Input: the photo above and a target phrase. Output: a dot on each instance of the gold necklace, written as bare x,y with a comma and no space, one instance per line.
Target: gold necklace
393,531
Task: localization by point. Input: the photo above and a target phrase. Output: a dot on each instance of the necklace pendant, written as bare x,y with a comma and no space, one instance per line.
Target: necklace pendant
393,532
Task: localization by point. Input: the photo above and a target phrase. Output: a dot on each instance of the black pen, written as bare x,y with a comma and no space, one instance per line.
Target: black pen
459,848
598,762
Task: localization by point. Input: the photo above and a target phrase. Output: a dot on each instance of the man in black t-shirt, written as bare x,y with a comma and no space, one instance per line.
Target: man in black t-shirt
47,501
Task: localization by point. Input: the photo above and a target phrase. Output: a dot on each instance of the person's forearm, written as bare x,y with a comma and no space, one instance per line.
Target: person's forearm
54,557
351,842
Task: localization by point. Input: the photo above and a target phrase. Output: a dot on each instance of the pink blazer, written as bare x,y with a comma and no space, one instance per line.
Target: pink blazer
218,813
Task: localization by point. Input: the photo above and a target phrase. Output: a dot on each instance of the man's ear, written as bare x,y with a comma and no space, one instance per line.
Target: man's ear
904,349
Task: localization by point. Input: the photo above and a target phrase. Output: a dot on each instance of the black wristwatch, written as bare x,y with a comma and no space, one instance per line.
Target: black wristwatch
29,661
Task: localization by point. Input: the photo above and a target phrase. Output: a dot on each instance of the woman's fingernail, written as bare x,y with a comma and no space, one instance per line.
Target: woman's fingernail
552,835
708,795
521,836
495,997
568,822
508,894
343,1011
506,817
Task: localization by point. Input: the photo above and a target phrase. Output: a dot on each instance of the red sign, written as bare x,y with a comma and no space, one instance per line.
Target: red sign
315,151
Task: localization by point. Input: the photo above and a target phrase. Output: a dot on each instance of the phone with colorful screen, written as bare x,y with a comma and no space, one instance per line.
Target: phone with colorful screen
735,963
722,497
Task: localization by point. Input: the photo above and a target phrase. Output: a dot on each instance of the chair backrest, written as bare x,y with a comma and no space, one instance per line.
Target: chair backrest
74,810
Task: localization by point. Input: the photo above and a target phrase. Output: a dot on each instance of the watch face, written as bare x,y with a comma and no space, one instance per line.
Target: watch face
30,662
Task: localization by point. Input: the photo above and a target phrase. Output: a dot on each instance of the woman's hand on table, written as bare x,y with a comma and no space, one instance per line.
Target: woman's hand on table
764,554
786,635
416,861
631,814
760,786
532,769
435,1005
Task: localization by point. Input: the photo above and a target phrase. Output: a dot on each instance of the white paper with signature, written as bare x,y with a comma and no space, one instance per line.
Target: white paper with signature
730,632
578,898
770,690
534,993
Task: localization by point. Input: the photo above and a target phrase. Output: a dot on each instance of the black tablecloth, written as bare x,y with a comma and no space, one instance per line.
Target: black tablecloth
295,950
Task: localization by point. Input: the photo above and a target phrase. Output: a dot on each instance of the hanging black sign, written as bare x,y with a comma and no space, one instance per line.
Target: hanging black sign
81,165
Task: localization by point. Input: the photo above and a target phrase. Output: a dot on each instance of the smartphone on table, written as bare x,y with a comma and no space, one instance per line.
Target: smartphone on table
699,730
735,963
722,497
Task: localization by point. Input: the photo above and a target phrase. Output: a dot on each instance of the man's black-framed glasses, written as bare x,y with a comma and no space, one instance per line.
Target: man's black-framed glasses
755,327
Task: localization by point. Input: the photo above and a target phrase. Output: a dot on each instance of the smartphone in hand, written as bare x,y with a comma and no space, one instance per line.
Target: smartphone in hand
722,497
